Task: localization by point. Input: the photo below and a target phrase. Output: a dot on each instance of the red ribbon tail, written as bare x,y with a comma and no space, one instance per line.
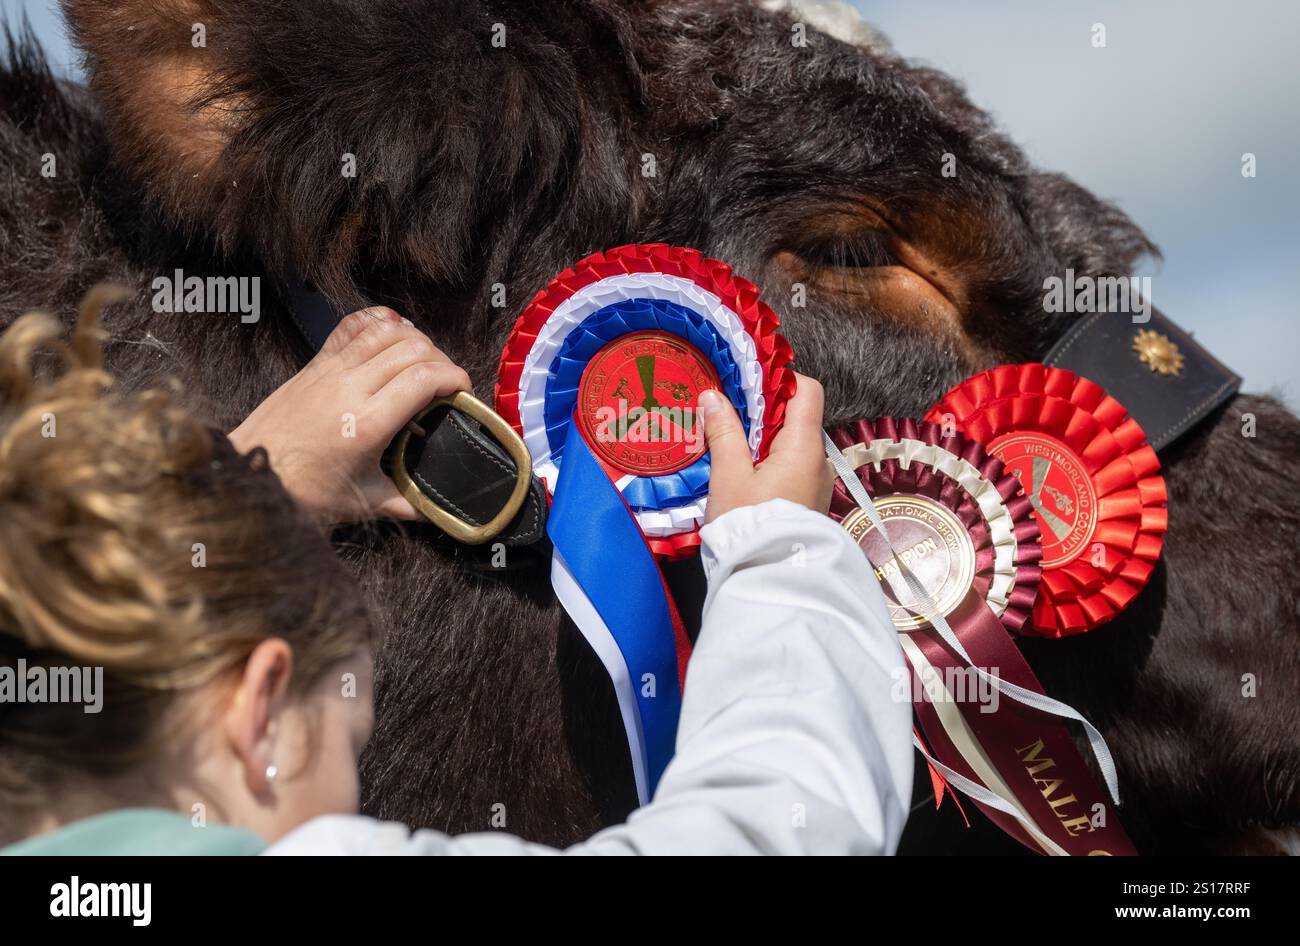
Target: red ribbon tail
941,787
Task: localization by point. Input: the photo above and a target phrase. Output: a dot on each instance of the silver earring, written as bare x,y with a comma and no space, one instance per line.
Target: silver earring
271,773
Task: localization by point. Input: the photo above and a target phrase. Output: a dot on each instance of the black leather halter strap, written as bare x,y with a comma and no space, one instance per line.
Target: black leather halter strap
455,462
1162,376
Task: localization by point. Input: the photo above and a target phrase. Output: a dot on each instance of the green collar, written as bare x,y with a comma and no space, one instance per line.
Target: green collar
139,831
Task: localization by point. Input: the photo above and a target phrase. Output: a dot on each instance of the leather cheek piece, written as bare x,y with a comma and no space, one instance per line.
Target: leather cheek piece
1104,347
466,472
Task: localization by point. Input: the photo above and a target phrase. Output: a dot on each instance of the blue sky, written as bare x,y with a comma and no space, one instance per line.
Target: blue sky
1156,121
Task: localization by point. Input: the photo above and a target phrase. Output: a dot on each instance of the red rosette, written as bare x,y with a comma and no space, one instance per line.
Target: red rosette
895,477
773,352
1091,476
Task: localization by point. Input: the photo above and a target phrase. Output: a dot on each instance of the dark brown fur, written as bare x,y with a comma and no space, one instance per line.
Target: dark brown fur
479,165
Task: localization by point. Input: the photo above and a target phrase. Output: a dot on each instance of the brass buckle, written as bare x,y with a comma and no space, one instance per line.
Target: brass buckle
456,527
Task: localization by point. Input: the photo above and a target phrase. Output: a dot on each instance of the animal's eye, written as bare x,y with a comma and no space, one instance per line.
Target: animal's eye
869,248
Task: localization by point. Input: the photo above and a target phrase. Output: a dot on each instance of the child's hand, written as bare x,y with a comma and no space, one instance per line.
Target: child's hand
326,428
795,468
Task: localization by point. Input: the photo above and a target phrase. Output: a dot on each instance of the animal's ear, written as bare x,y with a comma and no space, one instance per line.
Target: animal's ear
403,136
151,65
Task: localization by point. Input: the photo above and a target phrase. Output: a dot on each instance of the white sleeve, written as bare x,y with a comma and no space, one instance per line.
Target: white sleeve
794,736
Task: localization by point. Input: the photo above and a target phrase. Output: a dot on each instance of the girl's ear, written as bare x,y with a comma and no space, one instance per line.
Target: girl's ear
152,65
251,721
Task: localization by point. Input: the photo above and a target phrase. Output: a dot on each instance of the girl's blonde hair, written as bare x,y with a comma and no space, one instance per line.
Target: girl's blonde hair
136,539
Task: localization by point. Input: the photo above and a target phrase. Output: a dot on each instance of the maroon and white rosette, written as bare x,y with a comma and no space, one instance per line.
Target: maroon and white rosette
953,507
958,564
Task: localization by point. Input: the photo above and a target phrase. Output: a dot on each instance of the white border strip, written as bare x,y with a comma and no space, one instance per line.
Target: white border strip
594,629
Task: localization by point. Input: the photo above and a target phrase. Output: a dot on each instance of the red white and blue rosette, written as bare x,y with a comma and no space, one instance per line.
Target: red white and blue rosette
632,289
601,378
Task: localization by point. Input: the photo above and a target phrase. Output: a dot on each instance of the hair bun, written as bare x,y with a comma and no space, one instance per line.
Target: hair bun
78,469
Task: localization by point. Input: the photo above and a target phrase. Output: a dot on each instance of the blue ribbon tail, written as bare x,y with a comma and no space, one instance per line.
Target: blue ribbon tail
607,579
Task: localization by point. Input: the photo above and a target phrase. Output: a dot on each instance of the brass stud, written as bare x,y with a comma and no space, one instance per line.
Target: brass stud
1158,352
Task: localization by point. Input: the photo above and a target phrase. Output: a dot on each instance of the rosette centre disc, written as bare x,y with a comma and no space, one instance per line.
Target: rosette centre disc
637,402
931,542
1059,488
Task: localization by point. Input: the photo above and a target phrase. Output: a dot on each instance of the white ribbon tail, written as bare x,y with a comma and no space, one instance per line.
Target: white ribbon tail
985,797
